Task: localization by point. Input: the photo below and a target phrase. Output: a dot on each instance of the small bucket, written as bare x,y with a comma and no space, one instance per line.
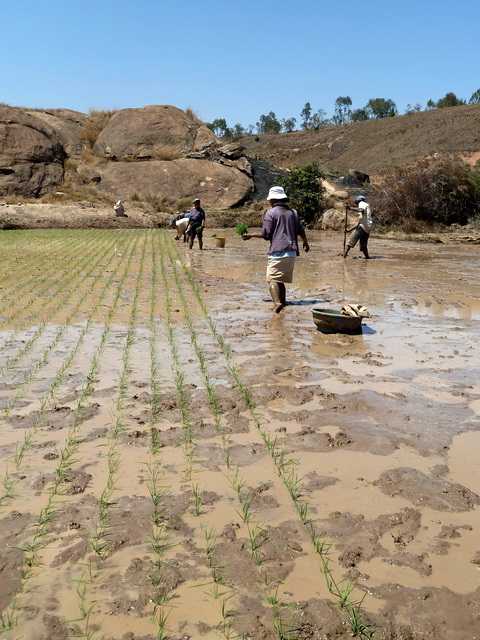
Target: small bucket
220,243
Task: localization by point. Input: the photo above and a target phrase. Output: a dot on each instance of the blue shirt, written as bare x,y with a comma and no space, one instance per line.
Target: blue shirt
197,216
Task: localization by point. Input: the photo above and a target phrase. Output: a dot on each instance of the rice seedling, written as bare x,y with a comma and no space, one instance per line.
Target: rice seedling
8,488
257,537
161,619
84,630
241,228
8,620
197,499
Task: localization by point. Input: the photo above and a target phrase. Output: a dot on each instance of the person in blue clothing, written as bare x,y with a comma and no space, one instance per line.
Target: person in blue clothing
196,224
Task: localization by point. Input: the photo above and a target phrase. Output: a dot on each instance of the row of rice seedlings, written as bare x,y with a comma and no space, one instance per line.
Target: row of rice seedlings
69,289
286,469
257,536
181,393
32,549
43,359
160,539
218,593
28,298
99,540
25,445
282,628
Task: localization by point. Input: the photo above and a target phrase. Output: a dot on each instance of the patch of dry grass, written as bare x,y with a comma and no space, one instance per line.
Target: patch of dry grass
94,124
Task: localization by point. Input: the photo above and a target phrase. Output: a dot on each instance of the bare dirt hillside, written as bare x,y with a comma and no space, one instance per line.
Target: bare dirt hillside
373,145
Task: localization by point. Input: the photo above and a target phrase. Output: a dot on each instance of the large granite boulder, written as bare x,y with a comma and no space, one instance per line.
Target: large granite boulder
68,125
31,154
152,133
334,220
217,185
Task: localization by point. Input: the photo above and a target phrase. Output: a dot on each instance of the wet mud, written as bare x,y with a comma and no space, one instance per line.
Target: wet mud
169,512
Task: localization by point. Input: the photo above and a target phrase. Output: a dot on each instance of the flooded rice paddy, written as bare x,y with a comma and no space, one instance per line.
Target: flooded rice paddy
178,462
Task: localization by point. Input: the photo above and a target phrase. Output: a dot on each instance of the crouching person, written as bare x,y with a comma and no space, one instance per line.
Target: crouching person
119,209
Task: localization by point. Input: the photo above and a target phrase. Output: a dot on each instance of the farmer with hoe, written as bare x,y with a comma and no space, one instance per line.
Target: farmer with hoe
281,227
196,224
361,231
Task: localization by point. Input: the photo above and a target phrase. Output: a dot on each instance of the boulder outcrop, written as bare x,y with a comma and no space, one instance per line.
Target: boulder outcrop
334,220
31,154
216,184
68,126
155,132
157,151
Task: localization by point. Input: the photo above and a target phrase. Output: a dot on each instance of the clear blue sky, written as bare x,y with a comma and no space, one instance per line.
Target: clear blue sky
236,58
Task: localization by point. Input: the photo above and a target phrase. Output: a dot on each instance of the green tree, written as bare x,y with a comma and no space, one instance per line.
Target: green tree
238,130
449,100
319,119
475,97
343,110
431,104
306,115
381,108
269,123
289,124
358,115
305,191
219,127
413,108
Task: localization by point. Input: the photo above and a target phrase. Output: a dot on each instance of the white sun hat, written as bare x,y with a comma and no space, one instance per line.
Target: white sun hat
277,193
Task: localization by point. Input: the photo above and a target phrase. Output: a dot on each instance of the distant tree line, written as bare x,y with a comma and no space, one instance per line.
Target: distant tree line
344,113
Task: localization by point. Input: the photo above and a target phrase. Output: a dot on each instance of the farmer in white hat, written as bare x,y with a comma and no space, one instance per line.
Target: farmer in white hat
281,227
363,228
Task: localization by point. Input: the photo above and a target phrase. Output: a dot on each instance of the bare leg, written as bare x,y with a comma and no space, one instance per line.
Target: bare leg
275,292
364,246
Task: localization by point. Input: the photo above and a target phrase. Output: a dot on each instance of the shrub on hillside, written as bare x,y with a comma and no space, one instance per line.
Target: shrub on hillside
441,191
305,191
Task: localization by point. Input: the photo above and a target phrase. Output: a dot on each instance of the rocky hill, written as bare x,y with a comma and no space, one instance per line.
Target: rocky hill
158,157
158,154
375,144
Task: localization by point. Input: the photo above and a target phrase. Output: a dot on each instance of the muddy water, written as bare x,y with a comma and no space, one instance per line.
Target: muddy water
384,428
404,396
